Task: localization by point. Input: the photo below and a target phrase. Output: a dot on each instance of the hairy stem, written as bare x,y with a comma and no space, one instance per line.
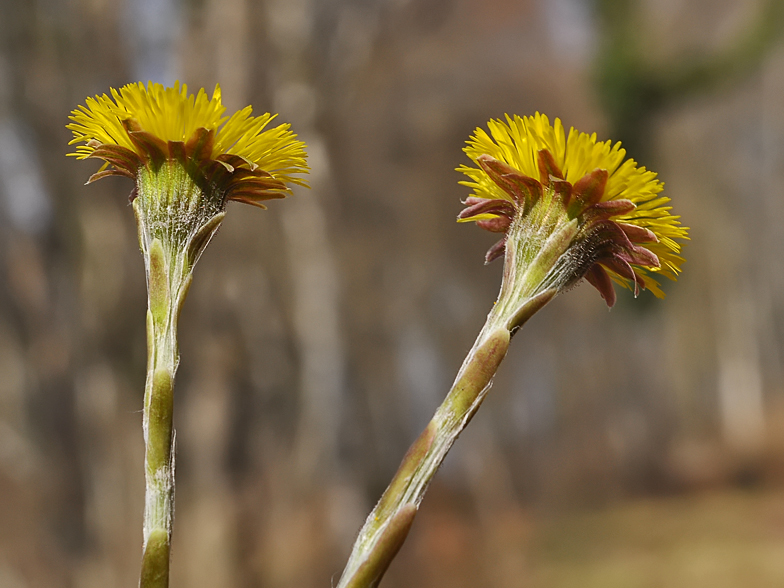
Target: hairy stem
386,528
176,221
168,278
536,267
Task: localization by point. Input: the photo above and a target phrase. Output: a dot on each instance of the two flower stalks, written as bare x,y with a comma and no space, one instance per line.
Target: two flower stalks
566,207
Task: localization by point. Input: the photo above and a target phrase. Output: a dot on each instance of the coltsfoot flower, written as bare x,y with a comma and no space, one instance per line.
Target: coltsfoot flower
187,161
568,208
147,126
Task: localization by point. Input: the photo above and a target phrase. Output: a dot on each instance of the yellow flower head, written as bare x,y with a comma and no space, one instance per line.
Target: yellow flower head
145,126
618,205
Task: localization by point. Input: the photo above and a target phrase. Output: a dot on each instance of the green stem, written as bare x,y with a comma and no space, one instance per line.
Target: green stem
386,528
168,278
176,220
538,263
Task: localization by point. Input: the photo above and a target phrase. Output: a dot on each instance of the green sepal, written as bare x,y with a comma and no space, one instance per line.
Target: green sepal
155,561
158,286
370,572
477,375
160,421
201,239
408,466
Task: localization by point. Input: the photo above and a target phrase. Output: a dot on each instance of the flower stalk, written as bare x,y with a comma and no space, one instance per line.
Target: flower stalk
176,222
567,210
388,524
187,161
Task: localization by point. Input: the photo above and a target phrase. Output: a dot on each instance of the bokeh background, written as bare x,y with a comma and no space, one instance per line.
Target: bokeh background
637,448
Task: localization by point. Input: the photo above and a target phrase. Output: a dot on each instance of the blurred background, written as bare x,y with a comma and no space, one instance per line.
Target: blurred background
638,448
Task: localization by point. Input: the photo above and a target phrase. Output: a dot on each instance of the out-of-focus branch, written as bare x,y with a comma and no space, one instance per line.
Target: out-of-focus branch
633,89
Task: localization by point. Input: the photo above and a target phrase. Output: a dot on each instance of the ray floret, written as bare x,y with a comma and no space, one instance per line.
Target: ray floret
233,158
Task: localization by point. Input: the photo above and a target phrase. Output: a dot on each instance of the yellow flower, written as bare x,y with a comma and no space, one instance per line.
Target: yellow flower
619,206
146,126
